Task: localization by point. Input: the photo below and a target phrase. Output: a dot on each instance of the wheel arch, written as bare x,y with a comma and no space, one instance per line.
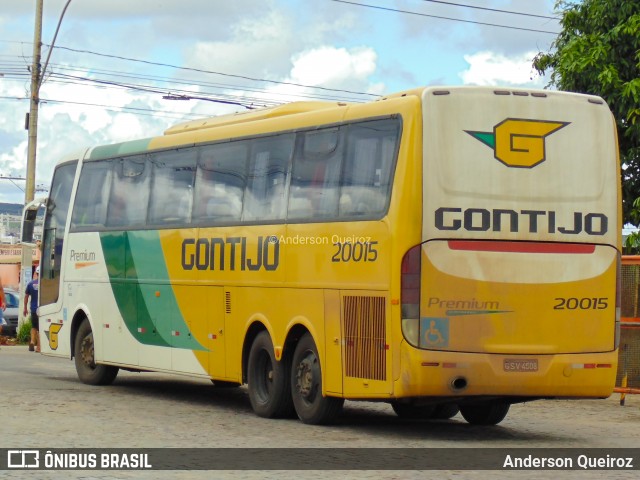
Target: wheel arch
293,336
252,332
78,317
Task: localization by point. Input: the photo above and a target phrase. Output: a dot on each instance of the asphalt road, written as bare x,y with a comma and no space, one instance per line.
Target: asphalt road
45,406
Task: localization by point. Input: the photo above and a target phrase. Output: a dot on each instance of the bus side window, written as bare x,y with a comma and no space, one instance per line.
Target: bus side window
90,206
265,197
171,195
129,194
220,182
315,175
366,176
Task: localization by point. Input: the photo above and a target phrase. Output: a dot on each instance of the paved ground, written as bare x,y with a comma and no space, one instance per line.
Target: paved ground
45,406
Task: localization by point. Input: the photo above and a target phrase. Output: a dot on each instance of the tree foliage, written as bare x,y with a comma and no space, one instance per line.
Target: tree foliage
598,52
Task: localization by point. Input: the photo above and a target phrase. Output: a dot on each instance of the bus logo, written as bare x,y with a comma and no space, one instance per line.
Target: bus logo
517,142
52,335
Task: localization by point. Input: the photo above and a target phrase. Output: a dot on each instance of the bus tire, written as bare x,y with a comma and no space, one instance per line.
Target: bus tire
413,412
88,371
306,386
445,411
268,380
488,413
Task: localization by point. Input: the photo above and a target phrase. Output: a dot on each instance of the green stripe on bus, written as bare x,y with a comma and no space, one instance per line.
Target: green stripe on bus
117,149
140,285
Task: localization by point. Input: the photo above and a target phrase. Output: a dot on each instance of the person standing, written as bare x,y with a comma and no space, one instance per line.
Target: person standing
31,293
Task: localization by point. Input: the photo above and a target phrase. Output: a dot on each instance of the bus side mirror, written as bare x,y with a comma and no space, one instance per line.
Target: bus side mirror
28,224
29,215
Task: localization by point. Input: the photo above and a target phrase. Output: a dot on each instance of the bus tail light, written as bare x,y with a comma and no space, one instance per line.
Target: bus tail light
410,295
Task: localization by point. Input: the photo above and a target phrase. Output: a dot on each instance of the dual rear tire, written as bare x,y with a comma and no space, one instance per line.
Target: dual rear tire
283,388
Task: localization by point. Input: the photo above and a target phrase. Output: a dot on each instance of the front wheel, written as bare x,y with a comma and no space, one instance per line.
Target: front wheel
489,413
306,386
88,371
268,380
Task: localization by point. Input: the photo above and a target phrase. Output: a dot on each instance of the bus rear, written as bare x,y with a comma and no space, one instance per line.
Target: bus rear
511,294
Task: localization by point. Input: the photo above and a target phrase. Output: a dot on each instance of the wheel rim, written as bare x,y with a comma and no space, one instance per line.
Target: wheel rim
87,351
308,377
265,377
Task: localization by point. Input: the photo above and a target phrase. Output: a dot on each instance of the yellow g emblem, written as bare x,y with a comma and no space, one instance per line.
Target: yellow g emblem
519,143
52,335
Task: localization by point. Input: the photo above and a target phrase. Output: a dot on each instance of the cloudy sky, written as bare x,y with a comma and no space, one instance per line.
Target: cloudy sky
115,60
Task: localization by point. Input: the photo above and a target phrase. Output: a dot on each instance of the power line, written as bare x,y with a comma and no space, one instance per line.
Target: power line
396,10
491,9
116,109
198,70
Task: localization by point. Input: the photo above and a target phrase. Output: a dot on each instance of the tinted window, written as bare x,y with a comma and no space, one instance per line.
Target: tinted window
92,196
172,187
325,174
315,179
221,179
129,193
367,167
265,196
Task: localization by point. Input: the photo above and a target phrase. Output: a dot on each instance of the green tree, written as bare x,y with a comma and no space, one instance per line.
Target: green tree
598,52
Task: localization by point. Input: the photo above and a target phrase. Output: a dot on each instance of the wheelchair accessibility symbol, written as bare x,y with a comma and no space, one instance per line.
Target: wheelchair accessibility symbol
434,332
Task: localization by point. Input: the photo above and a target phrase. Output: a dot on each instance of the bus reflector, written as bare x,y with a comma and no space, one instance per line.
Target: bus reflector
592,365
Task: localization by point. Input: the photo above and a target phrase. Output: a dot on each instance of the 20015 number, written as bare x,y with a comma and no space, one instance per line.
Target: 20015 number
587,303
355,252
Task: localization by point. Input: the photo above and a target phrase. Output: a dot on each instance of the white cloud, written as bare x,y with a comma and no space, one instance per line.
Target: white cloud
332,66
490,68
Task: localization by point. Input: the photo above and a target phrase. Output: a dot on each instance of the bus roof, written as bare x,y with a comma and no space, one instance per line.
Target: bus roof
259,114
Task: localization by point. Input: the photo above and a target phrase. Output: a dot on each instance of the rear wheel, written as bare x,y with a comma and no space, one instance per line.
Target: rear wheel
88,371
306,386
268,380
413,412
489,413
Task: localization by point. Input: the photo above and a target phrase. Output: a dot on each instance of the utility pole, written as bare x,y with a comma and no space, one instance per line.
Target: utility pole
32,122
37,74
29,190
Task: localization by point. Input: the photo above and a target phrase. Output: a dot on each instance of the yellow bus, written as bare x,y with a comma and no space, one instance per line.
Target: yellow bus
442,249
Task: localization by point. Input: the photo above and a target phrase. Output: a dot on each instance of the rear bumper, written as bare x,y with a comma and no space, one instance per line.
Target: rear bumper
433,373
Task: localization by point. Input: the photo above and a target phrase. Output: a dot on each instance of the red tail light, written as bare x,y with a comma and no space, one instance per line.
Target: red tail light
410,283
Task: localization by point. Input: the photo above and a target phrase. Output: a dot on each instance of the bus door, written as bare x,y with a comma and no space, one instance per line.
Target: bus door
54,231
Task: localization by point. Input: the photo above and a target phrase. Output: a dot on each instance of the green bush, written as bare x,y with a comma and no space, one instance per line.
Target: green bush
24,332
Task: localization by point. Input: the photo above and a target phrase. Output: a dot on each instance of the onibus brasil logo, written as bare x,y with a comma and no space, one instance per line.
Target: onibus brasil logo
517,142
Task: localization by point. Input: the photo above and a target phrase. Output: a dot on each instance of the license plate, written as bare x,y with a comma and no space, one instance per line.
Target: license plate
520,365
